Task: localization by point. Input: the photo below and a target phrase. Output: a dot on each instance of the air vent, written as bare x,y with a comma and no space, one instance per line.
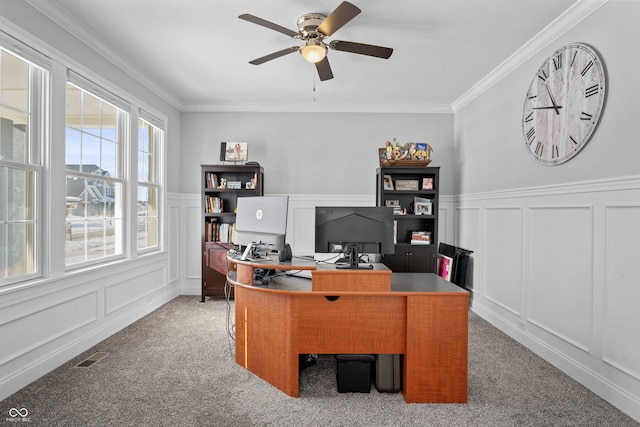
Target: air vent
89,361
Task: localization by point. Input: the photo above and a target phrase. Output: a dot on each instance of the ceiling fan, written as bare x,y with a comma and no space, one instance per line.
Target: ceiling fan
313,29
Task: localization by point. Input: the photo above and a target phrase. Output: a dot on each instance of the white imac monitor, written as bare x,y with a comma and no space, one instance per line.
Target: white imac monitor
261,223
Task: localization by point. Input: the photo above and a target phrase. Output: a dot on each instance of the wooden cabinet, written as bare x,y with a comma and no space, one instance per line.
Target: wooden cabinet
221,185
413,191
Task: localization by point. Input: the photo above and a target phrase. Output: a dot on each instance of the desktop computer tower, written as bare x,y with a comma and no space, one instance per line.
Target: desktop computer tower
388,373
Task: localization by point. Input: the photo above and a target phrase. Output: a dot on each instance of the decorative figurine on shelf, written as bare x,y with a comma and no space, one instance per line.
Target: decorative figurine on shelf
252,184
223,183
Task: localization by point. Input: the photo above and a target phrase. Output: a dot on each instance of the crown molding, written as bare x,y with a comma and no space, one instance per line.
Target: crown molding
319,108
580,10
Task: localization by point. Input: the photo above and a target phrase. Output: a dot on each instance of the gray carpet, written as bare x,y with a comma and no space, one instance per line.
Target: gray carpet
175,367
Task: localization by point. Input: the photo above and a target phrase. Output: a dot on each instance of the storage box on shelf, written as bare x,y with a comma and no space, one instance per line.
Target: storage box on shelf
221,185
413,193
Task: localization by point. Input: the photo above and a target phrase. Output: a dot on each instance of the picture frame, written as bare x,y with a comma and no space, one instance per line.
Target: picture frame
234,151
407,184
388,182
427,183
423,208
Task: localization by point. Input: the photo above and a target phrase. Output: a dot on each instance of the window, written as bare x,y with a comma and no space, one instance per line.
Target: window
149,140
94,141
23,88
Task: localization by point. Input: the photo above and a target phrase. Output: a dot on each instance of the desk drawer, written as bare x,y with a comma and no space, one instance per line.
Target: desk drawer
351,324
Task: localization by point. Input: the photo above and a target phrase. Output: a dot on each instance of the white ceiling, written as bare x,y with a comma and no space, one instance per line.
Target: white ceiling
196,53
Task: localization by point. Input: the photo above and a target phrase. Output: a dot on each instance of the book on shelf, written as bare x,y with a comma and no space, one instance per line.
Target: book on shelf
214,204
212,180
421,238
220,232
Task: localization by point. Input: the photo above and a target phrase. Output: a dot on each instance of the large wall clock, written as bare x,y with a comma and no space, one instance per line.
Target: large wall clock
564,103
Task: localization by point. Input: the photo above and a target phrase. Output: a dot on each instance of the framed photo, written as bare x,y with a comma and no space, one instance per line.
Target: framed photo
422,208
407,184
234,151
427,183
388,182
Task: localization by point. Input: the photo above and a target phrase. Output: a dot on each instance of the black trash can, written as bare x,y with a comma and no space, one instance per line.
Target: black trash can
353,372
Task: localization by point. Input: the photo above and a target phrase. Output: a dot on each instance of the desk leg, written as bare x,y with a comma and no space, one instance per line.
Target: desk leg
435,367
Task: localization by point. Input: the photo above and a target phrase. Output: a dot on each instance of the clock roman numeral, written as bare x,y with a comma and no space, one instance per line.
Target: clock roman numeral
592,90
542,75
539,149
557,61
586,68
573,141
529,118
585,117
555,153
531,134
573,58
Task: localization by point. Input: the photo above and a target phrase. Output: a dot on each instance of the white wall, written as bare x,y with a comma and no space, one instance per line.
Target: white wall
317,153
556,256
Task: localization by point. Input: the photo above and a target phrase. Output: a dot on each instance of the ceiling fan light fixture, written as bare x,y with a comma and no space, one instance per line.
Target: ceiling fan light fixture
313,51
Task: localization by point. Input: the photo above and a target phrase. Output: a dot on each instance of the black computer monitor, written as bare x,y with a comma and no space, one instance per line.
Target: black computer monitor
261,222
353,230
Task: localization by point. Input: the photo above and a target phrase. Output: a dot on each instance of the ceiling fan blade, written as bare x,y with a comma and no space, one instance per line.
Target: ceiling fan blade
267,24
362,49
324,69
274,55
344,13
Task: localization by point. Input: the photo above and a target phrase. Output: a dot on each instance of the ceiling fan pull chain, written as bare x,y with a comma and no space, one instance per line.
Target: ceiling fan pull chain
314,85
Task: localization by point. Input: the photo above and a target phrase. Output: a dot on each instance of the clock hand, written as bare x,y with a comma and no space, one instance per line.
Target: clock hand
555,107
553,102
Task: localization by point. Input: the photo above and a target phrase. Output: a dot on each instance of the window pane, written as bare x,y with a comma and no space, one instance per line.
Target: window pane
21,197
90,153
109,122
14,141
74,107
73,149
109,159
21,244
144,135
143,167
93,219
3,251
147,217
14,82
75,240
3,195
91,117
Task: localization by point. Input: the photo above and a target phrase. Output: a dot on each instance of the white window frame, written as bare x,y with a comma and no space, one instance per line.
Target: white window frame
158,144
39,117
123,131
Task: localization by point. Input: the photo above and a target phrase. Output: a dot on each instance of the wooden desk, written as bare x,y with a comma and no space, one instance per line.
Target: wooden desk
423,317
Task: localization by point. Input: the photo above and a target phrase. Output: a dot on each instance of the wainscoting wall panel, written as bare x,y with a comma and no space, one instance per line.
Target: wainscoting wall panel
123,291
571,253
560,280
503,257
172,240
44,325
622,290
